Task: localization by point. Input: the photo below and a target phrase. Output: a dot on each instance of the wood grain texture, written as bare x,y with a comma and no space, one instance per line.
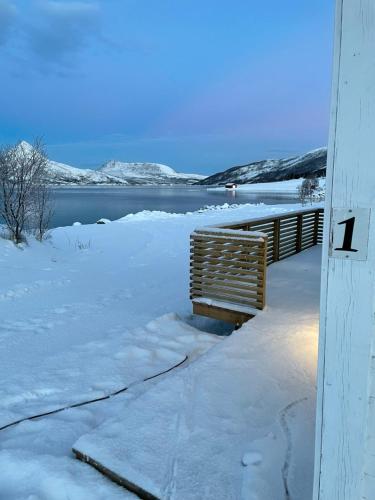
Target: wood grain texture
344,436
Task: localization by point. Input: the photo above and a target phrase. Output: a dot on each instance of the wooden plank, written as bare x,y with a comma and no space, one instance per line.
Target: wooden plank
288,246
258,225
288,226
240,279
230,284
227,247
310,230
308,227
121,481
234,235
226,265
307,242
309,236
208,269
308,245
223,259
257,304
211,267
210,247
218,288
232,253
288,229
231,273
267,218
288,237
287,233
218,313
217,233
250,261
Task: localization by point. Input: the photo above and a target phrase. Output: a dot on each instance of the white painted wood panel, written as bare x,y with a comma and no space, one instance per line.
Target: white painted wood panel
345,430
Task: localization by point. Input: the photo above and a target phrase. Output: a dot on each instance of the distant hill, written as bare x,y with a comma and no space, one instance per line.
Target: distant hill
115,173
147,173
310,164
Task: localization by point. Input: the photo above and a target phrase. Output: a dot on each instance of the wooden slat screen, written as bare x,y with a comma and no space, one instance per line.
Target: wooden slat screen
229,266
228,261
287,234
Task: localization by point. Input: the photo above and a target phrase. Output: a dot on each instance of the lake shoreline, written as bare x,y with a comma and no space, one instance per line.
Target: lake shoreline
87,204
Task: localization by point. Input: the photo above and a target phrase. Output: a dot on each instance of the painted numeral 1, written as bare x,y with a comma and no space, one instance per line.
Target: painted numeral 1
348,236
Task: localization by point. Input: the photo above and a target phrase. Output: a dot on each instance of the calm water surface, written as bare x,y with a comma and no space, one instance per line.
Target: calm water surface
88,204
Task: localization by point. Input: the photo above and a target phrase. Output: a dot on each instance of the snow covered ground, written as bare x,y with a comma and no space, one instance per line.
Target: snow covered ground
238,423
281,188
78,320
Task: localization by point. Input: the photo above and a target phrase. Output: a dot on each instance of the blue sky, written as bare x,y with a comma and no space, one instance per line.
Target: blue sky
200,85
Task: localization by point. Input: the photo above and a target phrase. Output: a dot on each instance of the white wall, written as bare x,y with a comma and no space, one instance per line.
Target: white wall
345,440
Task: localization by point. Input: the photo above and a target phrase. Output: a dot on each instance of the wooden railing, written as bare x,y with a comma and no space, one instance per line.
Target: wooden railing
228,261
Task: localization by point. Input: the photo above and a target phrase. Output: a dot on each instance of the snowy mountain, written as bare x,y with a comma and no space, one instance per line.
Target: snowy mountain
147,173
60,174
310,164
114,173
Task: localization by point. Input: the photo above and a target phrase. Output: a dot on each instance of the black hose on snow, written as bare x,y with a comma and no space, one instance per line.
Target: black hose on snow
83,403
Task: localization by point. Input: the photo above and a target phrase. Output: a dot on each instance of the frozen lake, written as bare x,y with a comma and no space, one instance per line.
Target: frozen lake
87,204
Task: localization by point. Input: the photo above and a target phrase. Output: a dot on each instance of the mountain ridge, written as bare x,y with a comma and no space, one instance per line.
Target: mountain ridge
146,172
114,173
309,164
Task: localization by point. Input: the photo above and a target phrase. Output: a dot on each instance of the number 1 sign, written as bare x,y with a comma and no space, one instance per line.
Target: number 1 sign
349,233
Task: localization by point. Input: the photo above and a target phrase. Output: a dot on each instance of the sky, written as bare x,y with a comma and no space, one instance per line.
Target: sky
199,85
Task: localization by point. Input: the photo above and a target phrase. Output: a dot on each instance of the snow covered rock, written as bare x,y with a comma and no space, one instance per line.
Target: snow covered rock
103,221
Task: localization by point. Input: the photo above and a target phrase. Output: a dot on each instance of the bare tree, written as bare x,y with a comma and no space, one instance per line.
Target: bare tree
307,190
24,193
43,208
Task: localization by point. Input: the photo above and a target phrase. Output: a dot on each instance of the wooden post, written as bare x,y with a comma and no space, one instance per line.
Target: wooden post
345,431
299,233
276,240
316,228
263,286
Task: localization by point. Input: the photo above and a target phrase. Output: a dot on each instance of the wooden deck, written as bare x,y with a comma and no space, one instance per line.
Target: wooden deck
228,262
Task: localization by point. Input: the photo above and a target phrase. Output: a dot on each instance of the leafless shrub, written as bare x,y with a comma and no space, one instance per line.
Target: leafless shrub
308,189
43,210
83,245
25,203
